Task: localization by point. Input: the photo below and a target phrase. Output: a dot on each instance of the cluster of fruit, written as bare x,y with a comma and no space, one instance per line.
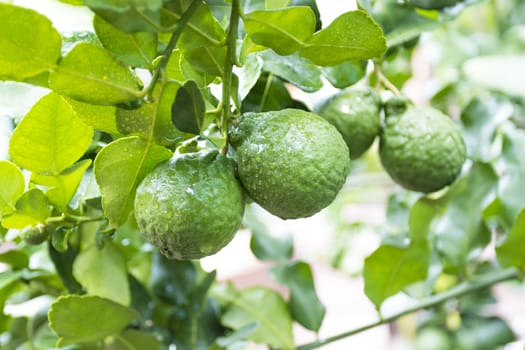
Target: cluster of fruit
293,163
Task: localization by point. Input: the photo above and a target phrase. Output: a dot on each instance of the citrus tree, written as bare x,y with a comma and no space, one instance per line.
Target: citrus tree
140,146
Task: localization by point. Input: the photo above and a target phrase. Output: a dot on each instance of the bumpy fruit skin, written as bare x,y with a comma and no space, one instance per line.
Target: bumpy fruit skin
190,206
291,162
356,114
420,148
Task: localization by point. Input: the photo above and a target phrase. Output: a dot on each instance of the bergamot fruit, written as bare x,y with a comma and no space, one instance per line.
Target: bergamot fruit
420,148
35,234
190,206
356,114
291,162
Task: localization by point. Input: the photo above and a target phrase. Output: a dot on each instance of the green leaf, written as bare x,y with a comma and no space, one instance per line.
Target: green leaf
63,262
50,137
62,187
80,319
504,73
172,280
16,259
132,339
238,335
459,228
512,251
11,187
305,305
129,16
276,4
481,120
268,247
187,112
285,30
29,45
119,168
152,121
275,322
136,50
203,29
400,23
351,36
390,269
103,272
345,74
92,74
267,96
297,70
208,60
510,185
98,117
248,74
32,208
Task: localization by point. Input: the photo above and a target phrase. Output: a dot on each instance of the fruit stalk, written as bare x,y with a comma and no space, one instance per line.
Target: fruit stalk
179,28
231,59
460,290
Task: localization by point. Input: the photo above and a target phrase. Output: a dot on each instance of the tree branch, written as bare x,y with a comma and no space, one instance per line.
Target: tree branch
231,58
455,292
171,46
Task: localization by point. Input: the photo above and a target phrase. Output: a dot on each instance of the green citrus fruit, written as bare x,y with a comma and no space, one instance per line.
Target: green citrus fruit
356,114
190,206
420,148
291,162
35,234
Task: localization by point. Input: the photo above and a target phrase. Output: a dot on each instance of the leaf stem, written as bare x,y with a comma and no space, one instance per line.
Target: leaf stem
381,77
179,27
455,292
231,59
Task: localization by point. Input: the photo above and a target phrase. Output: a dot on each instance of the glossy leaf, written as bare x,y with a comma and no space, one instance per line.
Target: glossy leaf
29,45
285,30
187,111
248,74
267,246
103,273
390,269
109,317
119,168
50,137
275,322
132,339
136,50
305,305
92,74
172,280
512,251
98,117
208,60
63,262
352,36
62,187
11,187
203,29
129,16
297,70
32,208
267,96
152,121
345,74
